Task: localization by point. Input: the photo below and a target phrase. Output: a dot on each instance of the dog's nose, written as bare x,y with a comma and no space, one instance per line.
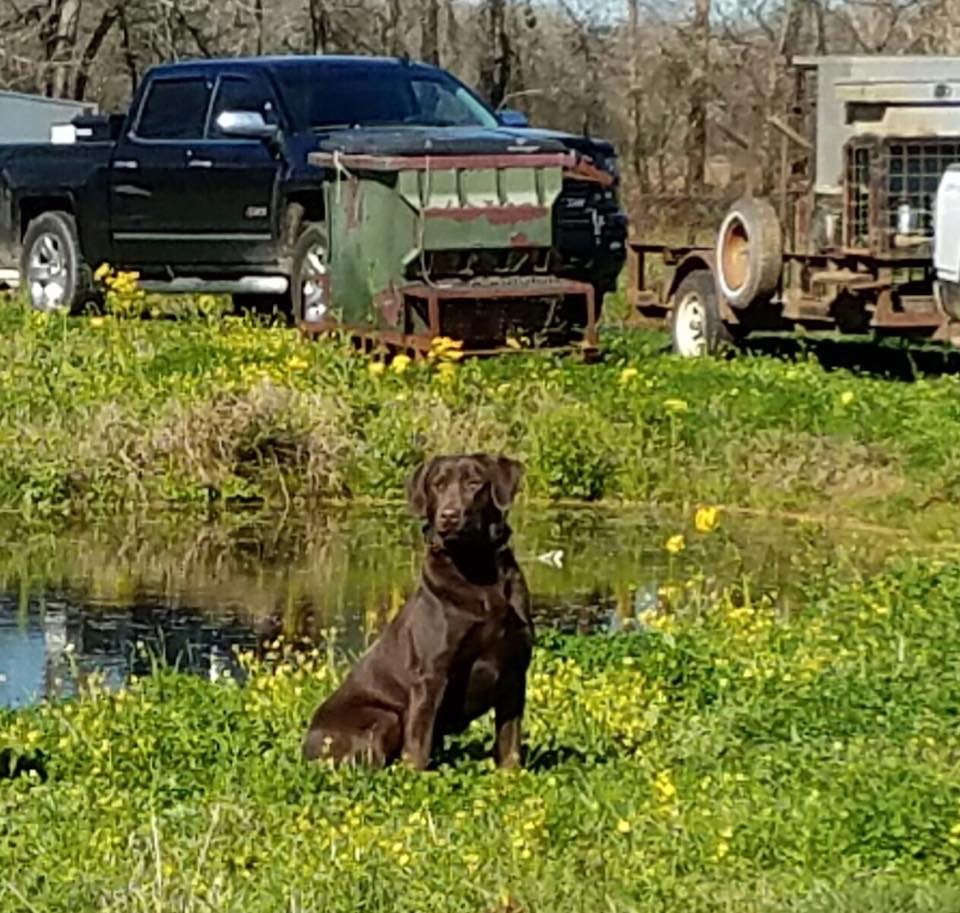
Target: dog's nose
449,516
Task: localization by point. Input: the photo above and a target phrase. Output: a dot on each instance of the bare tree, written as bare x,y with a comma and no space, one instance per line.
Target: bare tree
497,62
430,32
699,91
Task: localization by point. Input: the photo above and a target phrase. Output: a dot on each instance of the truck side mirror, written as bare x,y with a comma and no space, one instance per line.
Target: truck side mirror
246,125
511,118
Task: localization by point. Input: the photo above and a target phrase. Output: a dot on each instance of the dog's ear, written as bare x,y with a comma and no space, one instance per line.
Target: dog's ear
505,478
417,493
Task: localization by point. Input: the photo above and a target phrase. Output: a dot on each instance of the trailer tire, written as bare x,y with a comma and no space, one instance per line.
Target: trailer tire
749,252
696,327
310,276
53,273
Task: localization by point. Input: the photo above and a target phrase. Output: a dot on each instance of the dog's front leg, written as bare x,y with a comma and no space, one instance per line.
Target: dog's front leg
425,695
508,719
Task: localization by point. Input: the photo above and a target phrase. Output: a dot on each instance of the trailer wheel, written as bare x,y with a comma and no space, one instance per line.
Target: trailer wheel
53,271
749,252
696,328
310,276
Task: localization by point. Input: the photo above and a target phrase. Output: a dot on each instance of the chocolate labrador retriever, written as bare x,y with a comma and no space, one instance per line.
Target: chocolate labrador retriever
461,644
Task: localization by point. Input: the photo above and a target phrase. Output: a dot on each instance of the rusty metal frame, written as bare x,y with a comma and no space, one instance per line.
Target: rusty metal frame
406,339
573,165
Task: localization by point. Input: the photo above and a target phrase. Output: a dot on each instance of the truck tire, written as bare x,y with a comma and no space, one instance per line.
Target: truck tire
54,274
310,276
749,252
696,328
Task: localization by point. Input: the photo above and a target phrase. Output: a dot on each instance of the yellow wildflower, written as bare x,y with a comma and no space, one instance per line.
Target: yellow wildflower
103,270
846,397
675,405
706,519
96,322
623,826
443,348
296,363
446,371
376,368
628,374
664,787
675,544
400,363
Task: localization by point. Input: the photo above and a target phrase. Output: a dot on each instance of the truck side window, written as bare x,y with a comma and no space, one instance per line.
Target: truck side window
238,94
439,105
174,109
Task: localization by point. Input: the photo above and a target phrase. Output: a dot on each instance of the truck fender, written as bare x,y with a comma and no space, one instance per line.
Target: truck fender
946,227
692,262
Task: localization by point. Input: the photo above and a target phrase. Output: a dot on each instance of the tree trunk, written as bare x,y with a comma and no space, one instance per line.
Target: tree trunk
699,90
452,32
636,150
430,33
258,15
498,56
129,57
319,26
394,37
60,41
90,52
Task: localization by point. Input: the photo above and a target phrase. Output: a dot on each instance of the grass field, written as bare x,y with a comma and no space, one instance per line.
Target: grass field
105,415
733,755
730,757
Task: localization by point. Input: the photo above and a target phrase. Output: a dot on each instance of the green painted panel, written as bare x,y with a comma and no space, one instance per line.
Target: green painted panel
379,225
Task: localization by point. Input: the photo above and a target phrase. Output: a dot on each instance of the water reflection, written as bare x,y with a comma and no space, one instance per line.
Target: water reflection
81,600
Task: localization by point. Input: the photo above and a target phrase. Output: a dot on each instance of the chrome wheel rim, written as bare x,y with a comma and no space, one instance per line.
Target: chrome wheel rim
314,284
47,274
690,326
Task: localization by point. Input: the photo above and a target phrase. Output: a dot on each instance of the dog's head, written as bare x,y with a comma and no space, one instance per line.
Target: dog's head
465,497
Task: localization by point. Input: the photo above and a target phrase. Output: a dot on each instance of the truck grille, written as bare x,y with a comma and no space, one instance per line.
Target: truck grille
586,217
884,177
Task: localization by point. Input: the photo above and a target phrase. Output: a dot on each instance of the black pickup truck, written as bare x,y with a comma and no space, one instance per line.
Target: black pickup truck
205,184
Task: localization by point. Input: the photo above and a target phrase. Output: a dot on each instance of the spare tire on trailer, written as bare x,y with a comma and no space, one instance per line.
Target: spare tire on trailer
749,252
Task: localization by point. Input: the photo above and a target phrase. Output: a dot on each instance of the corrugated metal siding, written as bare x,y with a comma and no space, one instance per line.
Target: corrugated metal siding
28,118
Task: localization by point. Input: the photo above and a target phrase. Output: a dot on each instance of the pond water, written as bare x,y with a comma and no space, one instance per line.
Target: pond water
112,598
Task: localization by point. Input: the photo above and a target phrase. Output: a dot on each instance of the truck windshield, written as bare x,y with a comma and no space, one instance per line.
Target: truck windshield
335,96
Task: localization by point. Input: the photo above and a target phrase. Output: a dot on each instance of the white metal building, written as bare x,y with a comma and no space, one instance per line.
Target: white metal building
28,118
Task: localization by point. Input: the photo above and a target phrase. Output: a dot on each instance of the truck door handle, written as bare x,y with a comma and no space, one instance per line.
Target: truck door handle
127,164
200,163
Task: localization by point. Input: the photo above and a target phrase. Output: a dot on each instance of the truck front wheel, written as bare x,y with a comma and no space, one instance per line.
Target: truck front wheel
53,270
696,327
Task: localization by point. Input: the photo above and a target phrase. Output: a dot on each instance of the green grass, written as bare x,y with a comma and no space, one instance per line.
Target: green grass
110,415
732,757
737,755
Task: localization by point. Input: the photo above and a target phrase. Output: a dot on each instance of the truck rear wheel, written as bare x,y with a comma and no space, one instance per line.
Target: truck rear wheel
310,276
53,271
696,328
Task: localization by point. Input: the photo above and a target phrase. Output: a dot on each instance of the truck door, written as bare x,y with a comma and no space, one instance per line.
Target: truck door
156,195
241,176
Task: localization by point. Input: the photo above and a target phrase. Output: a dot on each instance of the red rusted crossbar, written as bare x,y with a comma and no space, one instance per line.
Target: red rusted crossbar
433,296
